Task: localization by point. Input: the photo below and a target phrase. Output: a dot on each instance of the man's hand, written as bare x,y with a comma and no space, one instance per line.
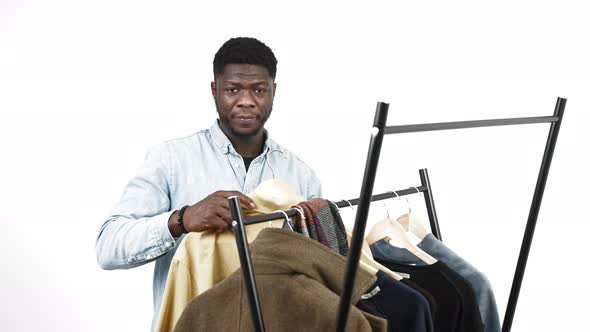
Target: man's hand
212,213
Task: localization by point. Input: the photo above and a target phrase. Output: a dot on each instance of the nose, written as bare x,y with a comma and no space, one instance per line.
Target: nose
246,99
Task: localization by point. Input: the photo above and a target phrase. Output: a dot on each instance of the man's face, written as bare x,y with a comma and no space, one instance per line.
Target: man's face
243,95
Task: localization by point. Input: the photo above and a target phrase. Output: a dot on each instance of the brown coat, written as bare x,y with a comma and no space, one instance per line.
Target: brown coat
299,281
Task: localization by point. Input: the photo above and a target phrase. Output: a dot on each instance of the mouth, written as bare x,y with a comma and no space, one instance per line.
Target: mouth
245,118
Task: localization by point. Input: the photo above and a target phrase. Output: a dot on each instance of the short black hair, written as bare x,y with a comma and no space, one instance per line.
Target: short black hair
245,50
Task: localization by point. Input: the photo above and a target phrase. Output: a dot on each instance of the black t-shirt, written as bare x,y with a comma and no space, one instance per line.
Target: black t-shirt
424,292
247,161
456,305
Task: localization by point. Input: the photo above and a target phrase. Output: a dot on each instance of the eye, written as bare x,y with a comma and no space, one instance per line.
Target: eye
260,90
232,90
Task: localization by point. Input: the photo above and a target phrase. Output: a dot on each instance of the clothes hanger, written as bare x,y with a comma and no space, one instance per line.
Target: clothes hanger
408,220
394,231
286,219
271,195
303,225
366,260
411,222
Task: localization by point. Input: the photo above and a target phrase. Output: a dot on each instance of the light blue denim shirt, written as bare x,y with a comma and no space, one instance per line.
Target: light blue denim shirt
182,172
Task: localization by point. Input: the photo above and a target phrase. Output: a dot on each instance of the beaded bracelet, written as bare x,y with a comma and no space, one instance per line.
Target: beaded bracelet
180,221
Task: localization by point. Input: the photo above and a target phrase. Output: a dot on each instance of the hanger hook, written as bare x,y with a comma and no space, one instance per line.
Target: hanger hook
300,210
336,205
286,218
349,203
386,209
408,201
396,197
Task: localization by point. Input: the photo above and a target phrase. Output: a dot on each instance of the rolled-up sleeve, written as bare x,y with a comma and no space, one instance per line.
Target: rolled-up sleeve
137,232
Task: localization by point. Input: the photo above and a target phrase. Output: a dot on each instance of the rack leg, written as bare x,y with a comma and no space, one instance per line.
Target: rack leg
533,214
362,213
430,204
246,262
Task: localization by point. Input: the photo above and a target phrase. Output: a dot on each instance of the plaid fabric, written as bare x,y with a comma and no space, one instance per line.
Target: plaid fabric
323,223
298,224
340,229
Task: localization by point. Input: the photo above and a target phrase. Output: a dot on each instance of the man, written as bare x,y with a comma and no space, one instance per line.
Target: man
201,171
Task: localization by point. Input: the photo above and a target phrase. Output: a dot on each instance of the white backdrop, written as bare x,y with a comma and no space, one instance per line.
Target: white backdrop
87,86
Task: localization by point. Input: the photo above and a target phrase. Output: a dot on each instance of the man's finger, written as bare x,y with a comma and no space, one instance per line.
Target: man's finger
224,205
245,201
225,215
221,225
215,225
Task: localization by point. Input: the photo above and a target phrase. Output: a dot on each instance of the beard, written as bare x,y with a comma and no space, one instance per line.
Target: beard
224,117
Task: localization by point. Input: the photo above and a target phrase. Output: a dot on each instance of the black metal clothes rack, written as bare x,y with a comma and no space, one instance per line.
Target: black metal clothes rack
239,223
379,130
375,143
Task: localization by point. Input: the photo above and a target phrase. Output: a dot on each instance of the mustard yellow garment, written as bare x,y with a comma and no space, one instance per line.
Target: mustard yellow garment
204,259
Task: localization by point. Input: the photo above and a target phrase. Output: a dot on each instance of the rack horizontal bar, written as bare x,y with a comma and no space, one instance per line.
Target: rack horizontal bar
390,194
412,128
340,204
269,216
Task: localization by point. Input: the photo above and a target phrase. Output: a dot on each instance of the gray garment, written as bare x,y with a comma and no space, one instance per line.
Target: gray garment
477,280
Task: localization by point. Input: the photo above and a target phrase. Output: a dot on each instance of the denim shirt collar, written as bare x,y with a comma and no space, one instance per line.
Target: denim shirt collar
225,146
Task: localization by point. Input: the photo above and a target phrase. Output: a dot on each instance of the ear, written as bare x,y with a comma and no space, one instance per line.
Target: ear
274,90
213,89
